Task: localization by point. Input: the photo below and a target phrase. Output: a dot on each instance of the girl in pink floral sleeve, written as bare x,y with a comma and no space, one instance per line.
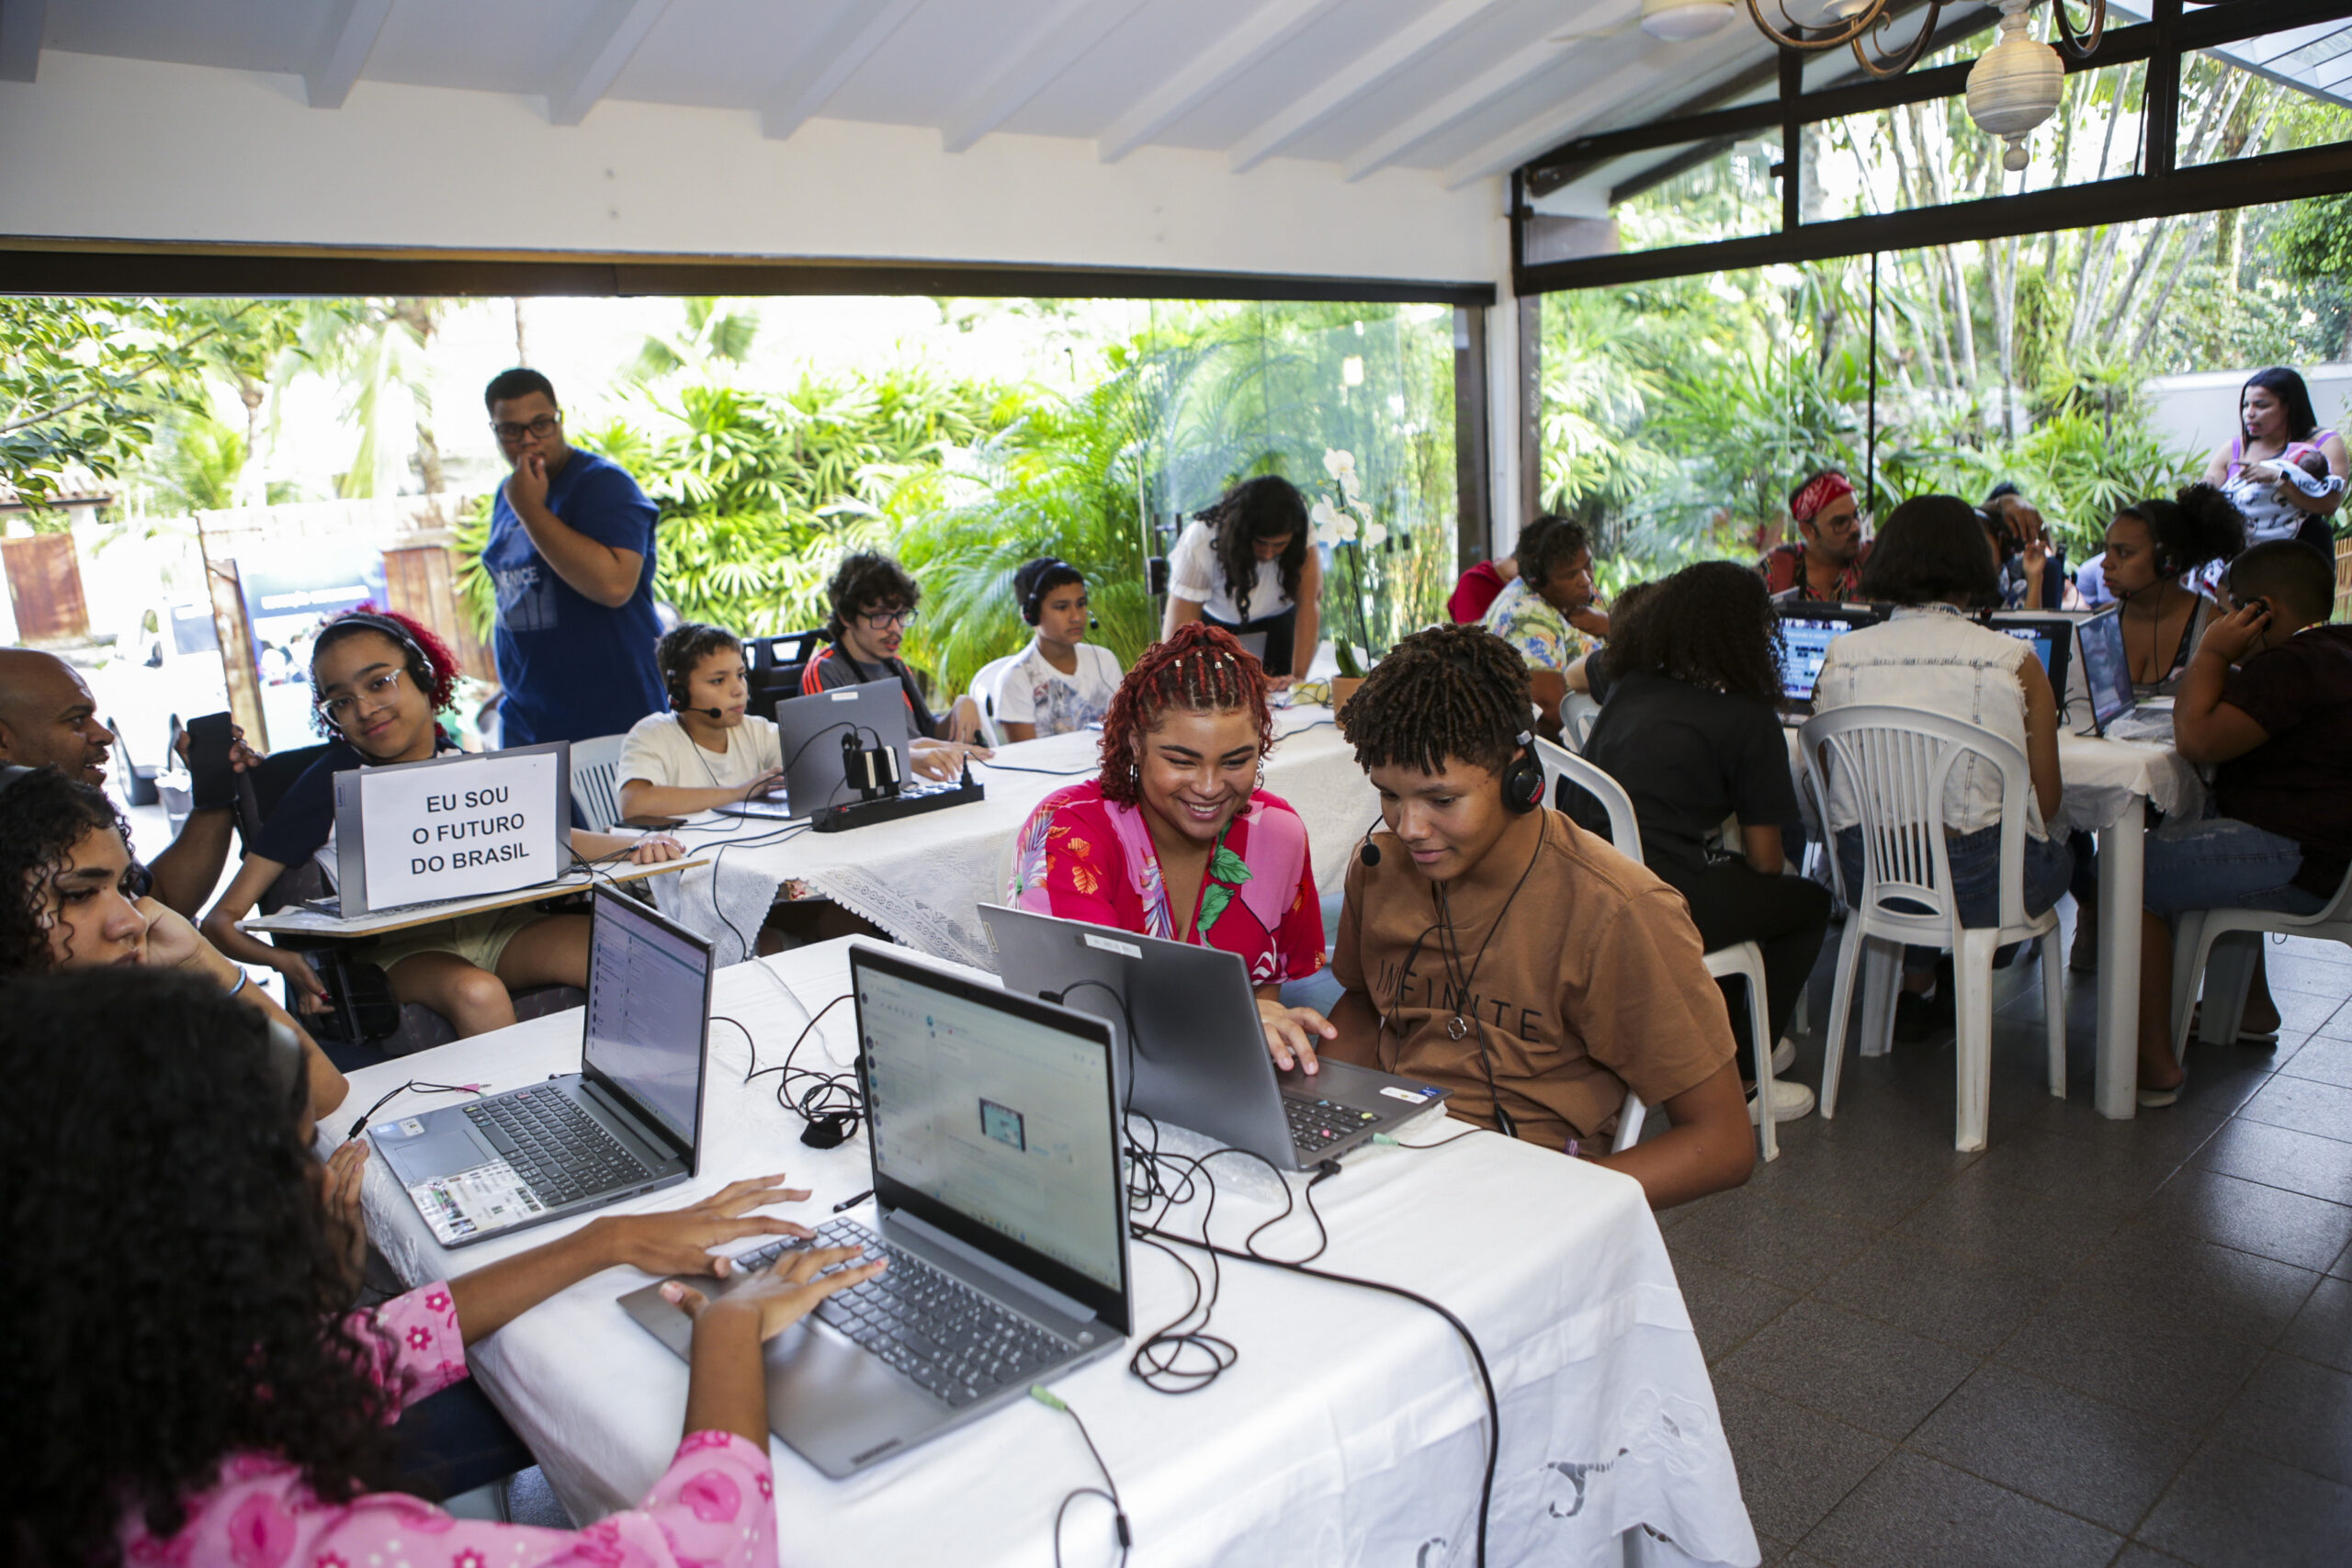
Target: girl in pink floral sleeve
1175,840
195,1398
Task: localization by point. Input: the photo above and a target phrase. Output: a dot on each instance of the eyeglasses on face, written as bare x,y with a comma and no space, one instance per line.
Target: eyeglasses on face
374,693
883,620
510,432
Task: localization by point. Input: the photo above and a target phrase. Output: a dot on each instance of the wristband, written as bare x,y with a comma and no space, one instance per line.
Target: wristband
244,979
1571,1150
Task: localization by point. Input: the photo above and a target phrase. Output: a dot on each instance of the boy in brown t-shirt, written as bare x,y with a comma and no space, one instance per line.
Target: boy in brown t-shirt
1490,945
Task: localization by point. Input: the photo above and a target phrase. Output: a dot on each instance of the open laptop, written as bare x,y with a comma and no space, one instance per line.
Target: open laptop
1807,628
2107,670
1198,1052
817,773
2052,636
550,826
993,1128
629,1122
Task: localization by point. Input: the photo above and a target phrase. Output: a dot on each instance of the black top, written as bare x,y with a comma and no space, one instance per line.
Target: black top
1689,758
2298,784
302,820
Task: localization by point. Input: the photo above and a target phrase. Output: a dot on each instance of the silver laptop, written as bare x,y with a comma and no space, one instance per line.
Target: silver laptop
817,772
1807,631
2107,670
350,898
629,1122
1199,1053
993,1124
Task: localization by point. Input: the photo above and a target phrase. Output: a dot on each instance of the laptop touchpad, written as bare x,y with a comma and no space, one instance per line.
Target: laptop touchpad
435,1154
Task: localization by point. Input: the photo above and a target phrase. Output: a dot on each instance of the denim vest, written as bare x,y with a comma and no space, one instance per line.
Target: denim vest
1932,659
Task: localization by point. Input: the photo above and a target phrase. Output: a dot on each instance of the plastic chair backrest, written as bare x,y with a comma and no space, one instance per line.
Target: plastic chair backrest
1898,761
1578,714
1559,762
985,687
595,782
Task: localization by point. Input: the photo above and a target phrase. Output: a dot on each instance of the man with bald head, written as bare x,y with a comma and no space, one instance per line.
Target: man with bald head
47,719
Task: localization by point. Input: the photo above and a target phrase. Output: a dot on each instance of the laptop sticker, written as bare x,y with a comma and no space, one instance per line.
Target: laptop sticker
488,1196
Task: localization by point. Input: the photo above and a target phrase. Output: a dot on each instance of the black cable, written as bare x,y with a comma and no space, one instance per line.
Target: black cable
1048,1398
825,1094
421,1088
1087,772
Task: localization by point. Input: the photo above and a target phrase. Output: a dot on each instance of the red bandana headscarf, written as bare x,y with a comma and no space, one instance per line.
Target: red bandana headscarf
1825,489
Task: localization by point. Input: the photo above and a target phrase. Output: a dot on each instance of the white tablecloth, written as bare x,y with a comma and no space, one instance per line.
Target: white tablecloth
922,878
1351,1430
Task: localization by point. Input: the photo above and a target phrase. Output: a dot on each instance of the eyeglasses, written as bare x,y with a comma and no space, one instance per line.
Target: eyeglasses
883,620
375,692
508,431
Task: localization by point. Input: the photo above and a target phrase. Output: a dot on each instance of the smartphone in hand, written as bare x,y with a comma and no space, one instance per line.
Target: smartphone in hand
213,782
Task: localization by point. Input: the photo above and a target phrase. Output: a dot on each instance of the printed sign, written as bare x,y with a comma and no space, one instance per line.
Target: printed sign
458,829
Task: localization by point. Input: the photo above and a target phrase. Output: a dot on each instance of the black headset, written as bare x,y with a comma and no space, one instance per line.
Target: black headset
420,668
1522,792
14,774
675,680
1033,602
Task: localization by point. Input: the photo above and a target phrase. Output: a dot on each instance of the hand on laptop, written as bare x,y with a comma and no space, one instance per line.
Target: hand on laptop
782,1295
763,786
1291,1034
678,1241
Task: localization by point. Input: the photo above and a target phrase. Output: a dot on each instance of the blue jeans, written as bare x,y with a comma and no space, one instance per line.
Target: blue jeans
2223,864
1975,860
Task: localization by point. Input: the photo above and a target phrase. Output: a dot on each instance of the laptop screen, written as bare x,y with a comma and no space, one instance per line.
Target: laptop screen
2044,640
1805,641
981,1102
2107,674
648,988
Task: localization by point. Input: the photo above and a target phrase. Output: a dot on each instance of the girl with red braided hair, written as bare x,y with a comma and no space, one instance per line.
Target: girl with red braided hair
1176,840
378,682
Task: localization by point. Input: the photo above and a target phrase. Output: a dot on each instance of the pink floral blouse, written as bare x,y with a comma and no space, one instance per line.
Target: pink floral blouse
714,1506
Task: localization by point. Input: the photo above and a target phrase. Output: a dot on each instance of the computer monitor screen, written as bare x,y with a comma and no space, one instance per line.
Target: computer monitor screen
648,986
2043,638
2107,674
1805,641
981,1107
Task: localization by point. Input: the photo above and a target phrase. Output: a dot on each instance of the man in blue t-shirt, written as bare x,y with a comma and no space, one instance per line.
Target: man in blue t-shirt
571,552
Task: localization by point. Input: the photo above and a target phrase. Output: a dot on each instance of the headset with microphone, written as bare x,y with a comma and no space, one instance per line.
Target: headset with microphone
1522,792
1033,602
675,680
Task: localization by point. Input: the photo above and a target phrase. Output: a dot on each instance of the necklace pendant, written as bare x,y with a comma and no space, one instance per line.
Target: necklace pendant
1455,1028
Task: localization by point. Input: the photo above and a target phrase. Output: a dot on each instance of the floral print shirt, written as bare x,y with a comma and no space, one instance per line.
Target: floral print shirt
1084,858
1542,635
714,1506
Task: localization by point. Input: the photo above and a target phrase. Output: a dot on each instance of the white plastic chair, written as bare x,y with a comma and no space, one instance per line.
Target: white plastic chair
1744,959
983,690
1898,761
2230,972
1629,1124
595,784
1578,714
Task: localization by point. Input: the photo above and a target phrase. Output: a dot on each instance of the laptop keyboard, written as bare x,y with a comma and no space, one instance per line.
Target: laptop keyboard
1316,1124
556,1146
952,1340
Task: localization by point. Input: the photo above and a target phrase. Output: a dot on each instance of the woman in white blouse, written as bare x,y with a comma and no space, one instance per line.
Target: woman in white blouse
1245,564
1061,681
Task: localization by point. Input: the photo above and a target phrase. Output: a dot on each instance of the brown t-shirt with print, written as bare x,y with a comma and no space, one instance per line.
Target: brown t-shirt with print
1596,982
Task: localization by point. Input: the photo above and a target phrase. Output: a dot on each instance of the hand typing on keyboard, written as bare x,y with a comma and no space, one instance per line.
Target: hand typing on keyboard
678,1241
784,1293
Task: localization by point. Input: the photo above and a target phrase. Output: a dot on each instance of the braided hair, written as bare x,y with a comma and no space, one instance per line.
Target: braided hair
1268,507
1450,692
42,816
426,658
1201,669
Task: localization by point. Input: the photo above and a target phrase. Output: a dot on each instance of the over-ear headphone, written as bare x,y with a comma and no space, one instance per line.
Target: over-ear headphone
420,668
14,774
1033,602
675,680
1524,780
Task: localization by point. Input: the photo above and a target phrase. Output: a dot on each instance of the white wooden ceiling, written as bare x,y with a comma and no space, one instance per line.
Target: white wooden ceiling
1465,88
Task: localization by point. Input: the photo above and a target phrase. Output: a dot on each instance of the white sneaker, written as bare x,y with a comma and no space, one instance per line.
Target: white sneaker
1789,1101
1785,1056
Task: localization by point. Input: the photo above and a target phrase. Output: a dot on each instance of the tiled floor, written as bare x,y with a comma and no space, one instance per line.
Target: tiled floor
2097,1342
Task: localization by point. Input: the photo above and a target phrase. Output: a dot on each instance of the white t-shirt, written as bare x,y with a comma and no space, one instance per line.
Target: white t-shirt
1194,573
660,751
1033,692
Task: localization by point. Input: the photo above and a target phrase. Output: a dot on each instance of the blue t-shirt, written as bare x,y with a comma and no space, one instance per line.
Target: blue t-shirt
573,668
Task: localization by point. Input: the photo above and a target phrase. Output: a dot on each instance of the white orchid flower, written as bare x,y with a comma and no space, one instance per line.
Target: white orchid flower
1326,520
1348,487
1337,463
1374,536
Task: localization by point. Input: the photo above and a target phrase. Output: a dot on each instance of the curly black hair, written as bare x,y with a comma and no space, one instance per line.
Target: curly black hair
1711,626
1268,507
146,1100
42,816
867,580
1449,692
683,647
1545,546
1932,549
2198,527
424,655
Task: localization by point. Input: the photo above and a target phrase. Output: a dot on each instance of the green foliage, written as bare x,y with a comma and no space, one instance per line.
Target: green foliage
200,469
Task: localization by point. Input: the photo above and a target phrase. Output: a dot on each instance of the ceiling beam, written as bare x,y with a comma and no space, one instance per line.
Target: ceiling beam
856,28
1465,100
1356,78
20,28
1050,48
1656,64
604,46
343,50
1263,30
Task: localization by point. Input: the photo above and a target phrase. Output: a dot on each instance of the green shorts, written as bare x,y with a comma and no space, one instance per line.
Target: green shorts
481,939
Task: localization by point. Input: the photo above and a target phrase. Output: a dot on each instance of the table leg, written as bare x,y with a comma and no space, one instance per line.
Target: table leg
2122,866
